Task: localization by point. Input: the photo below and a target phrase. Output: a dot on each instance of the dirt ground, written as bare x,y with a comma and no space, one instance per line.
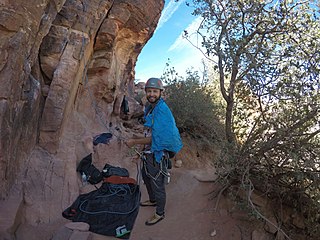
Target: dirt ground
190,213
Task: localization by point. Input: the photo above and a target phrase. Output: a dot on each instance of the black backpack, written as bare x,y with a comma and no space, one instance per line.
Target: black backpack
89,171
110,170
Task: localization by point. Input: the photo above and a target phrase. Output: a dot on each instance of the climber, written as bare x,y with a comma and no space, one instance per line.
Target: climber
161,139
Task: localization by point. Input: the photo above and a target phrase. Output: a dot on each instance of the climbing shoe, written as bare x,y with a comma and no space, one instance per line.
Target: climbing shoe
154,219
148,203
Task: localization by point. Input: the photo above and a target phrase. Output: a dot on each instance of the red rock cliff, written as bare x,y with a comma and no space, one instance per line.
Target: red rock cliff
53,53
64,68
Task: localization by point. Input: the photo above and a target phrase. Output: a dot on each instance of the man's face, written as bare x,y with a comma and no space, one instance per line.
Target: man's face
153,94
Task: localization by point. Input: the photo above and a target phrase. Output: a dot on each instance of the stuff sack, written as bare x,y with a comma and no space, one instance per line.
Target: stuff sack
88,171
109,170
110,210
102,138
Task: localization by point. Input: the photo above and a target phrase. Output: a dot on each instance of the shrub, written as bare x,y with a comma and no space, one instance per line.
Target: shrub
193,104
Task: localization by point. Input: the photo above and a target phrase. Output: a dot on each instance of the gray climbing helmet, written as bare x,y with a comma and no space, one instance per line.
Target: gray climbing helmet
154,83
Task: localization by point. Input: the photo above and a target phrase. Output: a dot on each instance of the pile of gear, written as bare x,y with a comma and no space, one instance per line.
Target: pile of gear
112,208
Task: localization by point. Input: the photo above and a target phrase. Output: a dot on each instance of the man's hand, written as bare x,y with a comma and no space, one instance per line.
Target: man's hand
134,141
130,143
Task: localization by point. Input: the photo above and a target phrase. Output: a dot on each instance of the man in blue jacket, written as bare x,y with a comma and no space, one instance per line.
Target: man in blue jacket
162,141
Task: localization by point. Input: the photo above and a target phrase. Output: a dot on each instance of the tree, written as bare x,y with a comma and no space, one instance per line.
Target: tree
268,63
252,39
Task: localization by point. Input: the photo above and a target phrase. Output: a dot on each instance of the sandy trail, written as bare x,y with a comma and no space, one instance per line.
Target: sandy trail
188,211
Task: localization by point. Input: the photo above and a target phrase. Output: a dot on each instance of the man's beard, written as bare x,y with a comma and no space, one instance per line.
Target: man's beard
153,99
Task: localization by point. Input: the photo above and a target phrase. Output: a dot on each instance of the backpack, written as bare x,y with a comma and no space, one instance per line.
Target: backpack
110,170
88,171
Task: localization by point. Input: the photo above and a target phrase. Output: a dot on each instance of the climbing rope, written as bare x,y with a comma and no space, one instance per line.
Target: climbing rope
115,190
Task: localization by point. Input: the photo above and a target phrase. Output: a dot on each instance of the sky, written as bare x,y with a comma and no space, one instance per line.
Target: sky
167,43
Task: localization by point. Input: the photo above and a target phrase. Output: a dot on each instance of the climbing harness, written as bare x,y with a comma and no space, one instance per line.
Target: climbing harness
164,166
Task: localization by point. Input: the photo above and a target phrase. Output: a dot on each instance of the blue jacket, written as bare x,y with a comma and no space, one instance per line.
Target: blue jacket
165,134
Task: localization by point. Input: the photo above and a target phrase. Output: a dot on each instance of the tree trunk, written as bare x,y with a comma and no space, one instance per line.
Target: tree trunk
229,131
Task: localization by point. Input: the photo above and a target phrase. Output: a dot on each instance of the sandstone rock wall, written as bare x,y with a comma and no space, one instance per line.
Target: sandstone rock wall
60,59
65,67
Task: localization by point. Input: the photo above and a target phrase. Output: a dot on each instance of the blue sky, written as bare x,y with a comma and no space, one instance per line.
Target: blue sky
167,42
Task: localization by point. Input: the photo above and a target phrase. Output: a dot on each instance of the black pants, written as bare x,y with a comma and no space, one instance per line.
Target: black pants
153,175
